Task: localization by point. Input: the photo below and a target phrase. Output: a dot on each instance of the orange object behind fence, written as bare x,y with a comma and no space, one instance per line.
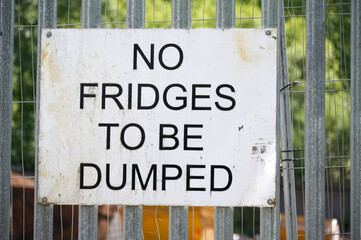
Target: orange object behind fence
156,222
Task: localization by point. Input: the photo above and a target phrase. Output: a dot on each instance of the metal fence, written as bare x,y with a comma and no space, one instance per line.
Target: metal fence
318,193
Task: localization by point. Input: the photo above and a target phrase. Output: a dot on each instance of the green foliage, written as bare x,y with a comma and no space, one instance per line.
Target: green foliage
246,221
24,87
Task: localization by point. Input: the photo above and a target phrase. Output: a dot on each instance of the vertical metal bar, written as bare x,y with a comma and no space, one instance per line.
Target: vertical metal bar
223,223
88,215
88,222
132,224
43,228
178,224
269,10
355,119
132,215
315,120
270,217
286,135
223,216
135,13
181,14
6,90
43,223
91,13
225,14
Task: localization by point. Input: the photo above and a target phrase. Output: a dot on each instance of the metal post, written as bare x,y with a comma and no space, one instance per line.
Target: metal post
270,217
132,215
135,13
225,14
88,222
223,223
178,223
355,119
181,14
223,216
6,89
43,223
132,224
315,120
286,135
269,10
91,13
88,215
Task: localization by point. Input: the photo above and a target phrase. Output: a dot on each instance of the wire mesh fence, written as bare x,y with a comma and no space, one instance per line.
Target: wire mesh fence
158,14
337,110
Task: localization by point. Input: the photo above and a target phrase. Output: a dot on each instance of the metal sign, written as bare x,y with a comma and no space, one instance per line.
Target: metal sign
158,117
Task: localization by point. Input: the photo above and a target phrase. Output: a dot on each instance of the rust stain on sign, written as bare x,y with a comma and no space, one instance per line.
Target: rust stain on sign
44,53
242,49
47,60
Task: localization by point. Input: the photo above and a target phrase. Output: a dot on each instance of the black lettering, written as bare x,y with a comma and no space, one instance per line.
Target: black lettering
156,94
189,177
164,174
150,63
112,96
187,136
160,56
171,136
213,188
221,95
108,126
123,181
182,99
83,95
142,139
153,170
195,96
82,166
130,95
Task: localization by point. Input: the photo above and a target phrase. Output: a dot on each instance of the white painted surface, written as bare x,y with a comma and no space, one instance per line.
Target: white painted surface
242,139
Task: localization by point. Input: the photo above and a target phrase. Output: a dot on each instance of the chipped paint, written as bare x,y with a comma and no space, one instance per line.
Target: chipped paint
263,149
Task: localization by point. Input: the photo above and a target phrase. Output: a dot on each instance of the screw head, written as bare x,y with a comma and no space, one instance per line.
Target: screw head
49,34
268,32
44,199
270,202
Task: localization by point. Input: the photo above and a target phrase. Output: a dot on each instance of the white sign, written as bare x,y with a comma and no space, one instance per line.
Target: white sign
158,117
